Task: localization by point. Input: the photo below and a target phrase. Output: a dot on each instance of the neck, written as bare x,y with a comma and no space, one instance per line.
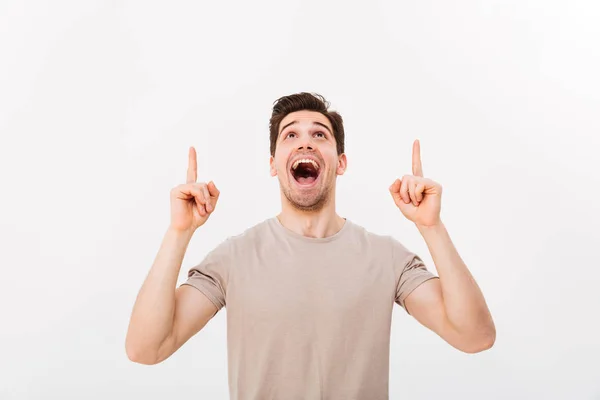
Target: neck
316,224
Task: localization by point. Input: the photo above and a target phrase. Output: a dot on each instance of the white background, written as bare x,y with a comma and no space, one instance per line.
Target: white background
99,102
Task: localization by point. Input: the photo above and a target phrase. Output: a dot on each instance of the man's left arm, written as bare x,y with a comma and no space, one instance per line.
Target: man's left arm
452,306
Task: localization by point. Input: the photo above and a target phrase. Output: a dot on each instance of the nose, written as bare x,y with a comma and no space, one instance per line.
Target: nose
305,143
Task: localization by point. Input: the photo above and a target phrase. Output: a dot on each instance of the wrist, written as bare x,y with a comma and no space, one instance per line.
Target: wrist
436,227
185,234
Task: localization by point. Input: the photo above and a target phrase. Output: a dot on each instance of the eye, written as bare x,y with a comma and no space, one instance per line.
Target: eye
289,134
320,133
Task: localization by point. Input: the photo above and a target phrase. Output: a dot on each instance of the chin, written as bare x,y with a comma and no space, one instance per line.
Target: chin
303,198
311,205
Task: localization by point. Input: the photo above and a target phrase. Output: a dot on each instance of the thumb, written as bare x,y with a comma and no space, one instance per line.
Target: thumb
395,191
212,189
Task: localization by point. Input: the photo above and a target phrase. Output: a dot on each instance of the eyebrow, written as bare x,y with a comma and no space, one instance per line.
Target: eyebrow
314,123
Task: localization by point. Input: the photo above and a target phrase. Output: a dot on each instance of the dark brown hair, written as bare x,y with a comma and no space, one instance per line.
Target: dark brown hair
310,102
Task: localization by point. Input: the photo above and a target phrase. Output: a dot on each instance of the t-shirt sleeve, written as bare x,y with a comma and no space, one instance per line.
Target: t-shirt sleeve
410,271
210,276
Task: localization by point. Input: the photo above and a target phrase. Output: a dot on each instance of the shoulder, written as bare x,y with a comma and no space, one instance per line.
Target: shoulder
228,251
246,238
385,243
369,235
373,240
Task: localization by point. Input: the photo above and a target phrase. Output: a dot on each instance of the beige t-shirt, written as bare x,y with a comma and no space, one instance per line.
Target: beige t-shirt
308,318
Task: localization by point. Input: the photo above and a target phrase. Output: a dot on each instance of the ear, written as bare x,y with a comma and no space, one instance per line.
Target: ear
272,168
342,164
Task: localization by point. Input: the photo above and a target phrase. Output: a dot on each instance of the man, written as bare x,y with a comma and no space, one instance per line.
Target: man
309,294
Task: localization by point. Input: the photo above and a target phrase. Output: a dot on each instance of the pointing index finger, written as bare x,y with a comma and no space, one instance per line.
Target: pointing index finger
192,172
417,168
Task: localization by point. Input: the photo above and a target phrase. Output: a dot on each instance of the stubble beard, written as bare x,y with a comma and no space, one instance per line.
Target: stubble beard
309,202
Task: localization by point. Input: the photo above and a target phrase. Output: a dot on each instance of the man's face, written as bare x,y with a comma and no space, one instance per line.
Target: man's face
306,160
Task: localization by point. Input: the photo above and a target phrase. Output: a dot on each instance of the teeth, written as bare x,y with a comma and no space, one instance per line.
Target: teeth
305,160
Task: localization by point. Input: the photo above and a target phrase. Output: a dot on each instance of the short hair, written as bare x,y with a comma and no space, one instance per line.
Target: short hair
309,102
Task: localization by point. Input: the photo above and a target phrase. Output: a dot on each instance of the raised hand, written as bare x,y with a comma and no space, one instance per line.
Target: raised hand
418,198
193,202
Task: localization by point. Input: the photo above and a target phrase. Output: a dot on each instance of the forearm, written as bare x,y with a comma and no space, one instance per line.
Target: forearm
464,302
152,316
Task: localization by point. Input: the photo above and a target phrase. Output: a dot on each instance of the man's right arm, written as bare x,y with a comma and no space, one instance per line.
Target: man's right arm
165,317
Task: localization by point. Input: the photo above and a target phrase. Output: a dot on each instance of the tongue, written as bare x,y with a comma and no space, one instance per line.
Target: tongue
305,181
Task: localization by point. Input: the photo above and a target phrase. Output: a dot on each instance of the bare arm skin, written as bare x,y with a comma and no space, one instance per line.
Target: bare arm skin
452,306
165,317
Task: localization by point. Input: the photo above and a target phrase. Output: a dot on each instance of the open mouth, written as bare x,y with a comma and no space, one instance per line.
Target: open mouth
305,171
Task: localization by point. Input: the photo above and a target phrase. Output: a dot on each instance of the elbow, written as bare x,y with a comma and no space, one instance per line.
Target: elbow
140,358
139,355
481,342
480,345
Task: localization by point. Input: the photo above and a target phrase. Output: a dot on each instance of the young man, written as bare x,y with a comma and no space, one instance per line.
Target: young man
309,294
